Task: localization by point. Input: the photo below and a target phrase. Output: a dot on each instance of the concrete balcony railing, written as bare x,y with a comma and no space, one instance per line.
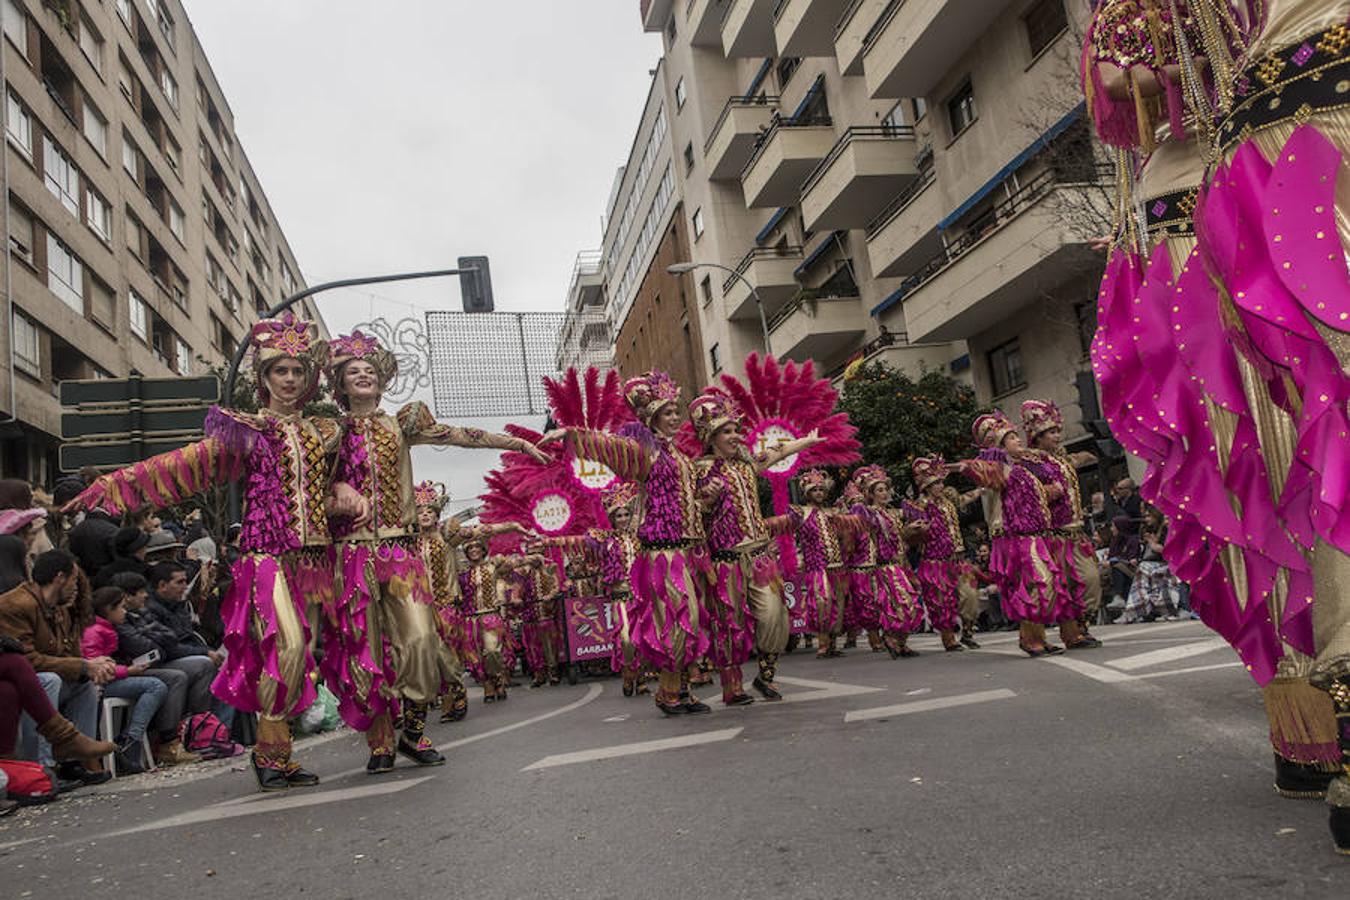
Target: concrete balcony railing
1004,259
904,235
806,27
817,327
703,21
747,29
770,271
654,13
785,156
865,167
851,32
731,142
913,43
587,285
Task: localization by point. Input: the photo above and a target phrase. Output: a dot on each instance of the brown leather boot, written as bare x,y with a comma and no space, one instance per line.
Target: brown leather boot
68,743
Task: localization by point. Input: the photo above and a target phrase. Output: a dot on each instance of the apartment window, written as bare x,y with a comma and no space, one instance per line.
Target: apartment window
16,25
961,109
139,312
65,274
124,10
787,67
169,86
681,94
102,303
689,157
177,221
62,178
715,358
95,129
98,214
698,223
19,126
183,358
920,108
173,153
1005,368
27,345
126,82
133,230
895,119
21,233
705,289
129,155
1045,21
91,44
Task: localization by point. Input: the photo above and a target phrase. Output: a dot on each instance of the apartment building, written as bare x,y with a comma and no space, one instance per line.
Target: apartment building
138,234
907,180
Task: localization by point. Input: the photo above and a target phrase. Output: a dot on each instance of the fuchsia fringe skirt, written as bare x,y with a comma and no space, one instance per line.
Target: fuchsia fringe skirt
940,580
664,616
1030,583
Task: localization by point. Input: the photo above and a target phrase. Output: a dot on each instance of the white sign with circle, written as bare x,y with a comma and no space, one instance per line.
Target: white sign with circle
594,476
771,436
551,513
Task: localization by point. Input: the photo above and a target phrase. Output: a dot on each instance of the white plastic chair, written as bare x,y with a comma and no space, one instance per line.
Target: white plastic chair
110,730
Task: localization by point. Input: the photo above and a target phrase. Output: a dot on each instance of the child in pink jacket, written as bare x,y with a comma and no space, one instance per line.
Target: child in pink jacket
131,683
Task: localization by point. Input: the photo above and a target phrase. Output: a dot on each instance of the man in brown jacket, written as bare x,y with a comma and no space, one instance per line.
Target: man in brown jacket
39,614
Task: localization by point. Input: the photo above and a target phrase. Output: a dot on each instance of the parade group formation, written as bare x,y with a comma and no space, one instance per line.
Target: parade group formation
1221,356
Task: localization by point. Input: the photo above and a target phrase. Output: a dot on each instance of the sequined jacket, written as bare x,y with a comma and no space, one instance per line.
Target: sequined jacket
669,507
284,462
1066,510
734,521
376,459
1020,505
819,531
943,540
480,587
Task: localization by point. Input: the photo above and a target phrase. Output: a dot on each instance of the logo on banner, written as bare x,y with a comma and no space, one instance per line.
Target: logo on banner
593,476
772,433
551,513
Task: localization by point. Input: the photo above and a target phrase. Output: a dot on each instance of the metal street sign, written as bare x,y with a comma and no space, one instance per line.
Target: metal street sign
122,422
121,391
118,453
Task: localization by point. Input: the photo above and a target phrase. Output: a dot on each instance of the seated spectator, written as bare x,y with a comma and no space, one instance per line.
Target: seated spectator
130,681
39,614
1155,592
1123,556
188,685
168,606
128,551
13,562
23,694
146,520
91,539
163,546
991,604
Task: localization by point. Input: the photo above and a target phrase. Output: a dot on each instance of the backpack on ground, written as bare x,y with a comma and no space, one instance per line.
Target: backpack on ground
204,734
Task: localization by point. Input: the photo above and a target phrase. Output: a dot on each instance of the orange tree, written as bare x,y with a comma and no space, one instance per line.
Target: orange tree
899,418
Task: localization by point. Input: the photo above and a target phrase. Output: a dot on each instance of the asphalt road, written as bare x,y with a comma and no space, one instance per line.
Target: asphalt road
1138,770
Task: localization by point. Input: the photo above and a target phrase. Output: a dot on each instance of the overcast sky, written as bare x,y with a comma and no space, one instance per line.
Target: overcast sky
400,135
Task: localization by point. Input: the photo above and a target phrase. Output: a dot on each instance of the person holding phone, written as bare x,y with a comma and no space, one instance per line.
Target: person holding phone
129,682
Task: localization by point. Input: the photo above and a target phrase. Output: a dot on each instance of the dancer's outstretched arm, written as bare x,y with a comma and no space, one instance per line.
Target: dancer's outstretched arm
421,427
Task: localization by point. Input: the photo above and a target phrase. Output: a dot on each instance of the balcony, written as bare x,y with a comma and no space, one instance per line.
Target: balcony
816,327
1006,258
769,270
703,21
731,142
654,14
785,156
851,32
914,43
866,166
747,29
904,235
806,27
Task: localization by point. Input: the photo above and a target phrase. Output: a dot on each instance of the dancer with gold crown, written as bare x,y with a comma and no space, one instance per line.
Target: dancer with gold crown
387,661
819,531
881,583
945,575
745,597
1022,561
668,573
283,459
484,603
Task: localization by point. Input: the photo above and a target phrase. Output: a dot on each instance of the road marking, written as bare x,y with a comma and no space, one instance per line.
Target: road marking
1227,665
918,706
1091,670
1166,654
675,743
822,690
273,803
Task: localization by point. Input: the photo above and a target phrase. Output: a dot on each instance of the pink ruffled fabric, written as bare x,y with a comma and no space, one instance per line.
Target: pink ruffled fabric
860,611
731,630
653,573
477,627
940,579
535,637
1029,593
897,602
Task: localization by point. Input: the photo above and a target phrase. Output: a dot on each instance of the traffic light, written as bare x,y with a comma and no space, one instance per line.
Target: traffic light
476,285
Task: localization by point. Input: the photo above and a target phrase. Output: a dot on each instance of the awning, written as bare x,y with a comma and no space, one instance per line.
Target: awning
772,224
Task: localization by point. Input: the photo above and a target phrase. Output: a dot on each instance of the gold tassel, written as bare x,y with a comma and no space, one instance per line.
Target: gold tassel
1301,718
1143,119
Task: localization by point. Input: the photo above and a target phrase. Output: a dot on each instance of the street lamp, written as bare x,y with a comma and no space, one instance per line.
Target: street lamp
682,268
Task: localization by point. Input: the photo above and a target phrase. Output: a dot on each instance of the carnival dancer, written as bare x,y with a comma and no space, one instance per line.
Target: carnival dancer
819,531
283,460
666,620
881,582
1201,381
483,603
539,637
1029,580
390,640
745,597
946,576
1074,555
